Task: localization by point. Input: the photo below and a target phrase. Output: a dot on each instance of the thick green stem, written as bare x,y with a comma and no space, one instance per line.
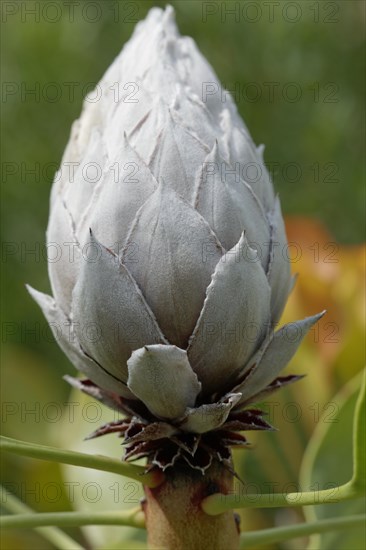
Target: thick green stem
133,518
96,462
175,519
219,503
277,534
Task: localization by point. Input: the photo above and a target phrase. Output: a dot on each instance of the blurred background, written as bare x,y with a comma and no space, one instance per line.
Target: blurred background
295,71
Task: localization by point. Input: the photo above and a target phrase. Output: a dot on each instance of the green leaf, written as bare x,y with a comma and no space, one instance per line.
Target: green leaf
328,462
359,439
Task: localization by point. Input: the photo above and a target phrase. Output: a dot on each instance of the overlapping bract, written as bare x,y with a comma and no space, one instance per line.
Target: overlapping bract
174,269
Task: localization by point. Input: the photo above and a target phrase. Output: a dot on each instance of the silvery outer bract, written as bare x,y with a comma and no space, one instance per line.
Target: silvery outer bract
173,267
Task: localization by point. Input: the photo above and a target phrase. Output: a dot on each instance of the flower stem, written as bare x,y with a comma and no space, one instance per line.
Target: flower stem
58,538
174,518
219,503
96,462
133,518
277,534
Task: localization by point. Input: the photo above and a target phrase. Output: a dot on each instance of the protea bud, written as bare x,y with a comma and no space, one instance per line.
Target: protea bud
174,268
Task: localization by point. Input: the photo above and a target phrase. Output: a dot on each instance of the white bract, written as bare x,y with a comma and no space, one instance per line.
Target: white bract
173,270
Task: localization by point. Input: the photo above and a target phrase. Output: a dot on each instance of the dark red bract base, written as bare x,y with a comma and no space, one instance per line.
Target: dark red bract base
165,445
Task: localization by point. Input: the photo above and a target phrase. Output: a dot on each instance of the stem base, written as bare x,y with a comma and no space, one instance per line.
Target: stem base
175,519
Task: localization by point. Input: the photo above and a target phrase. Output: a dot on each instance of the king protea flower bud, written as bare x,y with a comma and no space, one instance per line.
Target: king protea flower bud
174,269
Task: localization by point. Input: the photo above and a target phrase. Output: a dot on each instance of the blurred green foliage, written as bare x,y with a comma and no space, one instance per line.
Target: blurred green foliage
311,56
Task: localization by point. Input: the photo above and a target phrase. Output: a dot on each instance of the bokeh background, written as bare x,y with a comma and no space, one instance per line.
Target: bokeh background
295,69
